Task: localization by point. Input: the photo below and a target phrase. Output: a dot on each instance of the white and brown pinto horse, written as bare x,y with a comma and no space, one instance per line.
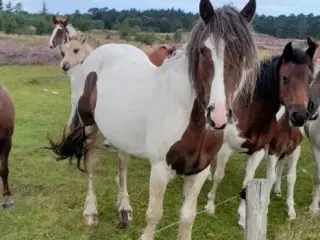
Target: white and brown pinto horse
283,81
63,32
161,115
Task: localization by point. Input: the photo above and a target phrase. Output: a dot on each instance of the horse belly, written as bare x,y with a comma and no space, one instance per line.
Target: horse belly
166,124
123,99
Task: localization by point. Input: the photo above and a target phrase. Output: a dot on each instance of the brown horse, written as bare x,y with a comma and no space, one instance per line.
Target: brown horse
284,80
7,117
286,143
159,55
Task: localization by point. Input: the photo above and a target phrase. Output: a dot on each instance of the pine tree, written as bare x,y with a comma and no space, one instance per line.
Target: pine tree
1,5
44,9
9,7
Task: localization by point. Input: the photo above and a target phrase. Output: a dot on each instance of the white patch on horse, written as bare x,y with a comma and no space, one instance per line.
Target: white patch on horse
217,92
281,112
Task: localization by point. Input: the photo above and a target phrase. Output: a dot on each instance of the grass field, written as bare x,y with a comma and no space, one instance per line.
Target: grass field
49,196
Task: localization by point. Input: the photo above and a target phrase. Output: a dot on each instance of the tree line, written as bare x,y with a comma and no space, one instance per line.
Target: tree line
13,19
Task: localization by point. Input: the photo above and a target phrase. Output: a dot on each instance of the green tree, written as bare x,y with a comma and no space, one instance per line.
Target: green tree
1,5
44,10
18,7
177,36
9,8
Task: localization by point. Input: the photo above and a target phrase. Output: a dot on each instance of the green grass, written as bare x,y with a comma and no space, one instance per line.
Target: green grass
49,196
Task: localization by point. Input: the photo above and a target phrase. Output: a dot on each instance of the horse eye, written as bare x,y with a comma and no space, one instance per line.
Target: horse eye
62,54
76,50
285,80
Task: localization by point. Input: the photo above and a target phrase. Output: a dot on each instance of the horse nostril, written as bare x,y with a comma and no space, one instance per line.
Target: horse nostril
229,114
210,108
310,106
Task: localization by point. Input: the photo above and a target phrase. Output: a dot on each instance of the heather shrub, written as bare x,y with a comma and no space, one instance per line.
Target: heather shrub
18,52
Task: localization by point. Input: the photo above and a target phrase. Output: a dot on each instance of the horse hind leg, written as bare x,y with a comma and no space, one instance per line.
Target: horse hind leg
5,149
90,213
123,203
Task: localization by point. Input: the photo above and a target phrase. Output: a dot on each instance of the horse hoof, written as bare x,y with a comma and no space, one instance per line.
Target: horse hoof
277,193
8,205
241,225
124,218
210,209
91,219
292,218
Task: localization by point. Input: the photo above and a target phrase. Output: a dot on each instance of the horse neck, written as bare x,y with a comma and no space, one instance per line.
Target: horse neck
262,109
173,78
71,30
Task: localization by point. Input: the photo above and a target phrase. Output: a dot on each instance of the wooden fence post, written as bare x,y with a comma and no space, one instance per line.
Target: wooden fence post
256,209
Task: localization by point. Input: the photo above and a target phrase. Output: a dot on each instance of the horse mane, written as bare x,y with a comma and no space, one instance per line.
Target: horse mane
240,47
267,84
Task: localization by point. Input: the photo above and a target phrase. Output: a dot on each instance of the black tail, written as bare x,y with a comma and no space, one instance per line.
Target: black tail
72,143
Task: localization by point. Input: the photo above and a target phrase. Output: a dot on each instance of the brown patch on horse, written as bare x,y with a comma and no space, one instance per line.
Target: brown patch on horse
158,56
87,101
7,118
196,148
257,124
286,138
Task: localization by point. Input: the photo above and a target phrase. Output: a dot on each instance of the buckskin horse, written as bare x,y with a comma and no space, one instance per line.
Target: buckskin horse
161,115
283,80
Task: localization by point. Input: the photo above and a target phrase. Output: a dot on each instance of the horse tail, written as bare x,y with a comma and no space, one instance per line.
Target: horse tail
72,144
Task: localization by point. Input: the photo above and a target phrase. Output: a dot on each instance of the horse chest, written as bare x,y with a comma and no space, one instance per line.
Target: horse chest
257,139
285,141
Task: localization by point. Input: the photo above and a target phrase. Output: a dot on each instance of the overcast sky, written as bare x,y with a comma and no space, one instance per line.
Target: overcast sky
268,7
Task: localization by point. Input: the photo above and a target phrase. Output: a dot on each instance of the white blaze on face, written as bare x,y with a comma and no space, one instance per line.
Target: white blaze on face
54,32
217,93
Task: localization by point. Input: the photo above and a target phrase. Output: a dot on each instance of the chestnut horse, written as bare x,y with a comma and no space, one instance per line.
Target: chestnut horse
164,119
159,55
284,80
7,118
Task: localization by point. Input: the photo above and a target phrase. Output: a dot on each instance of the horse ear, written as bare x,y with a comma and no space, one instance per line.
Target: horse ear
287,52
54,19
206,11
312,46
249,10
65,23
84,39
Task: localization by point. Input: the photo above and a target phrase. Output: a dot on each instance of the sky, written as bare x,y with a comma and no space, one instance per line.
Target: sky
268,7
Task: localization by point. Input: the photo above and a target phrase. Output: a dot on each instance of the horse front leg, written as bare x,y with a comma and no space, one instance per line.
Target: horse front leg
221,162
160,176
123,203
90,213
191,190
